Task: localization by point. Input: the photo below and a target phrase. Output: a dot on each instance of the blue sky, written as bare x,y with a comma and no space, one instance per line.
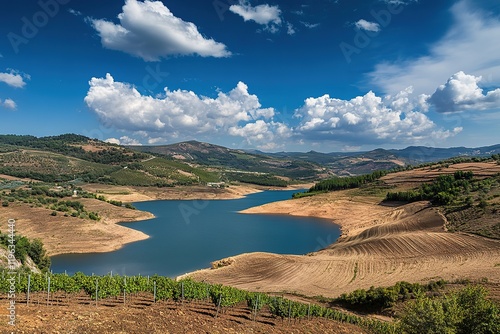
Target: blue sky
324,75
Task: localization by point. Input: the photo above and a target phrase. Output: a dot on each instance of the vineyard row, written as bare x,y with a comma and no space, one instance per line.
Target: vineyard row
164,288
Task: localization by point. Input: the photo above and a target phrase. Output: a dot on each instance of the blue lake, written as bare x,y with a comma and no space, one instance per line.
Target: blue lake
188,235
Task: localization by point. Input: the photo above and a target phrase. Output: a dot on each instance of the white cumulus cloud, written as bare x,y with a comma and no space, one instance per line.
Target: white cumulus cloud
150,31
399,2
461,92
74,12
14,79
261,14
368,119
182,114
124,140
310,25
468,46
269,16
367,25
9,104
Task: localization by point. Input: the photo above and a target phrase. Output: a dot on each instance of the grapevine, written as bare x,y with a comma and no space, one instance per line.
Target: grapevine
183,290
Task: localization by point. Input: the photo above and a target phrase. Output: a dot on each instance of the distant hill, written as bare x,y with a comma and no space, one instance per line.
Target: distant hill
355,163
348,163
311,164
234,160
421,154
75,146
69,157
77,158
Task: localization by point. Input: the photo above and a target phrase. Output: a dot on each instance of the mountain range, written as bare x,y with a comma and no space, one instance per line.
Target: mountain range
74,157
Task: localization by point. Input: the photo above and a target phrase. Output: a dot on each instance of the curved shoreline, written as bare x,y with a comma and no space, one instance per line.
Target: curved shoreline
380,246
69,235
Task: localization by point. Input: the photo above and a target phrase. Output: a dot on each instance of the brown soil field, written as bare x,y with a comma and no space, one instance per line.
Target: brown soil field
62,234
413,178
77,313
380,245
13,178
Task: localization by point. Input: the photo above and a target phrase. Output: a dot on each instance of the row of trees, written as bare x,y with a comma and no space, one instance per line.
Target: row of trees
465,311
376,299
342,183
442,191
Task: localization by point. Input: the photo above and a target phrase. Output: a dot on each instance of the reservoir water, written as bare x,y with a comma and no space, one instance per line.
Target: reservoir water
188,235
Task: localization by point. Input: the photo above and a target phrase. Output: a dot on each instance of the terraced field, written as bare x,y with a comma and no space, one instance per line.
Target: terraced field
380,246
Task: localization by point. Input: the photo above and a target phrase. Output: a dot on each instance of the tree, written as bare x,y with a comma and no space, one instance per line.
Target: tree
427,316
22,246
480,315
464,312
37,253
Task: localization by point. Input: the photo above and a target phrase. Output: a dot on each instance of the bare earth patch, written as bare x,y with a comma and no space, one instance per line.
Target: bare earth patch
415,177
77,313
74,235
380,246
140,194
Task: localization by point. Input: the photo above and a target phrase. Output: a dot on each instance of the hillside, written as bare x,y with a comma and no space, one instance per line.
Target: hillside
71,157
420,154
349,163
80,159
76,314
229,160
382,242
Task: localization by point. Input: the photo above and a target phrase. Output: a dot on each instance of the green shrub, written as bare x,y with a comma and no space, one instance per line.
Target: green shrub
464,312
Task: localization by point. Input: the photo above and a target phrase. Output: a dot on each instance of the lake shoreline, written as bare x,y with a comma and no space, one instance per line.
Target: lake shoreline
380,246
71,235
205,231
130,194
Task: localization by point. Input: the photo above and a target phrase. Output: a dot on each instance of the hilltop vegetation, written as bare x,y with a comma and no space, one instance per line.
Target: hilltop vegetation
77,158
444,190
42,196
470,203
232,161
69,156
75,146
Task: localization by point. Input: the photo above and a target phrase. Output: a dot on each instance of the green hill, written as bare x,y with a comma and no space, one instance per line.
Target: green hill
73,157
77,158
232,161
